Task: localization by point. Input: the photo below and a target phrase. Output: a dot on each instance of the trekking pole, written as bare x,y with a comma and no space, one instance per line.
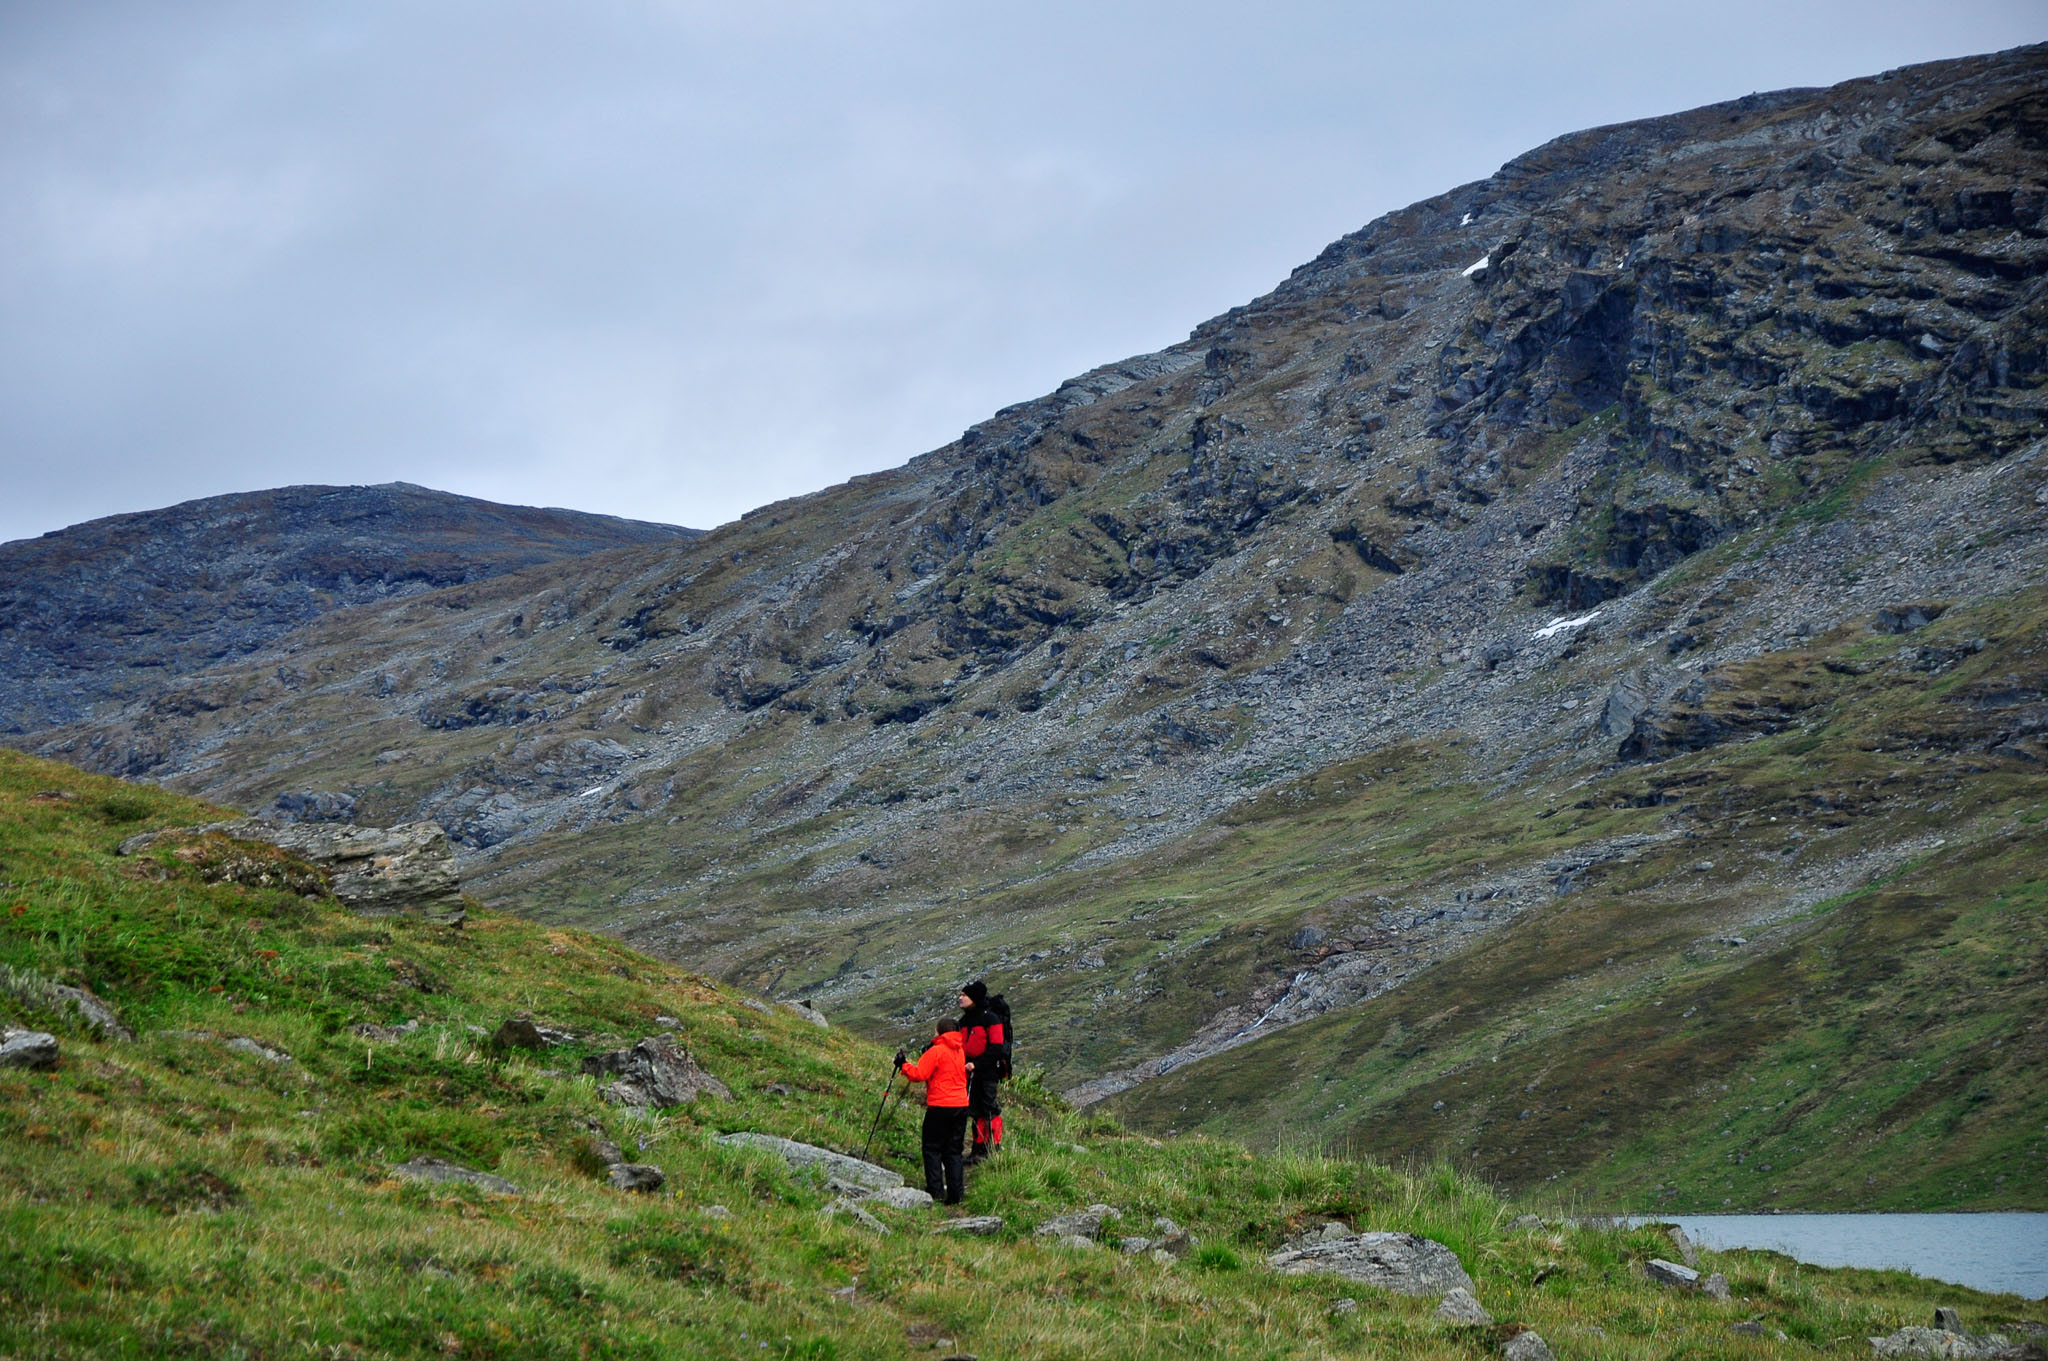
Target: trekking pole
888,1088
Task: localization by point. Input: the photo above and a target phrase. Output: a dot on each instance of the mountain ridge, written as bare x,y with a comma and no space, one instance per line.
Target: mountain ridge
188,585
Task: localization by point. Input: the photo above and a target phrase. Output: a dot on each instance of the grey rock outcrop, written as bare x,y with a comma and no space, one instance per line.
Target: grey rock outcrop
31,1049
902,1198
1461,1306
641,1177
654,1074
1715,1287
373,871
442,1171
1404,1263
1687,1253
802,1157
1940,1343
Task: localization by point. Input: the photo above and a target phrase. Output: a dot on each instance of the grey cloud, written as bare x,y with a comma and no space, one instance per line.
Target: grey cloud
675,260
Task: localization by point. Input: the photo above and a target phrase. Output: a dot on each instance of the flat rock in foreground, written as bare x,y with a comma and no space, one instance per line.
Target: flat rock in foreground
800,1156
437,1170
1404,1263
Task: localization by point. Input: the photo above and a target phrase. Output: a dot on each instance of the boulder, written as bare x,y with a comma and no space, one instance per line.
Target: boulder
803,1156
643,1177
1404,1263
1526,1346
1715,1287
1687,1253
976,1226
1460,1306
1344,1306
93,1012
1949,1320
33,1049
809,1013
1671,1273
1525,1224
406,870
1075,1240
437,1170
902,1198
1132,1245
653,1074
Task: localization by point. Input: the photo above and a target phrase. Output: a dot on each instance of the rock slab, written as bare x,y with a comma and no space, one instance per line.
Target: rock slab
437,1170
653,1074
1405,1263
975,1226
1671,1273
1526,1347
801,1156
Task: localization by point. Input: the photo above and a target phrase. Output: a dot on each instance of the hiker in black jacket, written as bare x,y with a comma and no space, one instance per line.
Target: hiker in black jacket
985,1021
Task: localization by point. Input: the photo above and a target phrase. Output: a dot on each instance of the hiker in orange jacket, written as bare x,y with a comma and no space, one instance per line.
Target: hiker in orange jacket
943,1071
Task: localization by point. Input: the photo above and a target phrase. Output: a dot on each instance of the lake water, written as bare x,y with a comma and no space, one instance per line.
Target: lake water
2005,1253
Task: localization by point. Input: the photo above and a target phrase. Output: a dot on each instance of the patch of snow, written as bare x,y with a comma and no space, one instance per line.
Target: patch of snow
1465,221
1481,263
594,789
1562,624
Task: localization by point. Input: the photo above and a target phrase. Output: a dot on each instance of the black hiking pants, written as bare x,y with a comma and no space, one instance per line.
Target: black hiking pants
945,1172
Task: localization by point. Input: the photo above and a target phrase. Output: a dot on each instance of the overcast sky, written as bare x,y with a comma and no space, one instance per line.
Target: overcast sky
673,260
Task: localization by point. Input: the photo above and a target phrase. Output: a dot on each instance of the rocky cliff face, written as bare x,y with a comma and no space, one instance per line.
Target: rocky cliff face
1641,548
114,608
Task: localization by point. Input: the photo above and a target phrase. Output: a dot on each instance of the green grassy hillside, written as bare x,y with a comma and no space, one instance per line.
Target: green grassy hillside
173,1195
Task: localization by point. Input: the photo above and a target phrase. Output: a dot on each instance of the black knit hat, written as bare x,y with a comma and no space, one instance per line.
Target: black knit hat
977,990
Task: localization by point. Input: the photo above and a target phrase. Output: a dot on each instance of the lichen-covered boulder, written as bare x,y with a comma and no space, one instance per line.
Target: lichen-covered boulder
1404,1263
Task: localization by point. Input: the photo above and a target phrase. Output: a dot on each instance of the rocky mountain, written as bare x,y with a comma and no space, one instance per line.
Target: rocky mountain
111,608
1559,680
